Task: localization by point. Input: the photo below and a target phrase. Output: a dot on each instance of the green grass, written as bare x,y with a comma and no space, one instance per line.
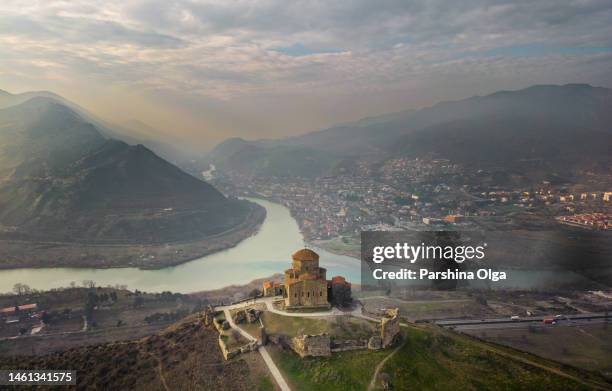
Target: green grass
293,326
435,359
251,328
587,346
265,384
438,360
339,327
342,244
342,371
352,328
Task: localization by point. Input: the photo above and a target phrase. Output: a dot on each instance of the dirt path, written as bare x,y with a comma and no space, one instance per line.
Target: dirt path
381,364
160,371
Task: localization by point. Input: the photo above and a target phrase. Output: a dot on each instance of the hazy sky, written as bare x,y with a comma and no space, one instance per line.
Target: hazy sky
206,70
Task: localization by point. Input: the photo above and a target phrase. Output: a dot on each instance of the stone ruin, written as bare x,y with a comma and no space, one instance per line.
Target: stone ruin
390,327
248,315
375,343
209,315
389,330
312,345
321,344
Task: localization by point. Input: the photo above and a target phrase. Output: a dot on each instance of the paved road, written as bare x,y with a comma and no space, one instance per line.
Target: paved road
526,325
522,322
261,349
273,369
269,303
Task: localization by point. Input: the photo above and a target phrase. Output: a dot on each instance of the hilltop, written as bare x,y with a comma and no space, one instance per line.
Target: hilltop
186,356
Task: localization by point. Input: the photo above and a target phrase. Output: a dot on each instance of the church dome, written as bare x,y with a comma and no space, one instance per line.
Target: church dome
305,254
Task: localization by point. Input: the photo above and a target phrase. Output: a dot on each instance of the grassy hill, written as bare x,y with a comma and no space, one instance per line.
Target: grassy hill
436,359
186,356
183,357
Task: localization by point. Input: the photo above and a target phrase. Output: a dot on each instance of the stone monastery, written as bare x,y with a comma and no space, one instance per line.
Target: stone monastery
305,284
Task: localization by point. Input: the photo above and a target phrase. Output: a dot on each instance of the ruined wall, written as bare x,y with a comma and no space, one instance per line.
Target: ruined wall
349,344
312,345
209,314
390,327
229,354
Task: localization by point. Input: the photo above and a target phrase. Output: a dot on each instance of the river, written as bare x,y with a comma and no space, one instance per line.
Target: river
261,255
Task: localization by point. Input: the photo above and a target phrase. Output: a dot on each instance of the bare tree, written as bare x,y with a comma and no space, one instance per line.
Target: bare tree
21,289
88,283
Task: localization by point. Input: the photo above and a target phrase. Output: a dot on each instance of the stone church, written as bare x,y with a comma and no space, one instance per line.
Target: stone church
305,283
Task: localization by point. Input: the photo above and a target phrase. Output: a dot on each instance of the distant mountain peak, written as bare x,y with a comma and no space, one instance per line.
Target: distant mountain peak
63,180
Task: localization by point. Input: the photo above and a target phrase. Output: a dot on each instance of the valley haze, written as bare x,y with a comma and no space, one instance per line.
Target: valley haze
268,195
72,196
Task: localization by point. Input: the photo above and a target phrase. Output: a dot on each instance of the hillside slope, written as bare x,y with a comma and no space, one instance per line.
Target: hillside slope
61,180
131,132
562,126
430,358
183,357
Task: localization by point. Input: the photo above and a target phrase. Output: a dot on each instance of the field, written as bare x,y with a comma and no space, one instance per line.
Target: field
435,359
340,327
585,346
343,245
113,315
430,309
342,371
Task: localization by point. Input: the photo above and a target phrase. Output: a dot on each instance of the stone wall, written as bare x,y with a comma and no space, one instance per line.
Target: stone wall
312,345
228,354
349,344
209,314
390,327
248,315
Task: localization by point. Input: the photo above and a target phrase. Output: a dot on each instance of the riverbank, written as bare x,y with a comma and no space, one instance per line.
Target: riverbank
337,246
29,254
266,252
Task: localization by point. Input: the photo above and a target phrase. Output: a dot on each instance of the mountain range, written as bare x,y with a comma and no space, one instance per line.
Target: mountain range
63,180
563,127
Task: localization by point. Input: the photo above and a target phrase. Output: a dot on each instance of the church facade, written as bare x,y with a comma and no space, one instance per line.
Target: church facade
305,284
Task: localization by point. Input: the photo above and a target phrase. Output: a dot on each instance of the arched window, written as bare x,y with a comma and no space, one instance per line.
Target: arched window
308,294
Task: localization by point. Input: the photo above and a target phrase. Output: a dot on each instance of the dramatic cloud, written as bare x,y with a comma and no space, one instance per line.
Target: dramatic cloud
267,68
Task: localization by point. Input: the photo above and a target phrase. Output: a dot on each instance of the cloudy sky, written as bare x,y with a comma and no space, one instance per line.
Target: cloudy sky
205,70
